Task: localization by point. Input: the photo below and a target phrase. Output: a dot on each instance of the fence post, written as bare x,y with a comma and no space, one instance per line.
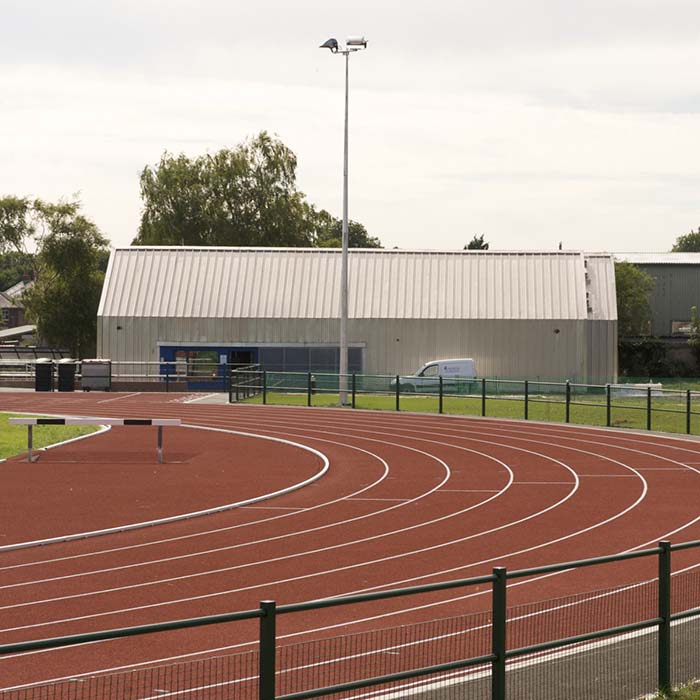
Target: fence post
648,408
664,652
264,386
687,411
308,388
608,407
354,388
167,377
398,391
498,634
268,634
440,398
483,397
526,396
568,401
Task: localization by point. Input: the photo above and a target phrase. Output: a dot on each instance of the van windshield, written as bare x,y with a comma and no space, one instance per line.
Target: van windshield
430,371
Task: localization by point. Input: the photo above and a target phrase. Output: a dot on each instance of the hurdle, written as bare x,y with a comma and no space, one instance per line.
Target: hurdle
160,423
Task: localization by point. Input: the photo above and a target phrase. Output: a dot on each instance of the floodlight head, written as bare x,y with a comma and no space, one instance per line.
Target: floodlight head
358,41
331,44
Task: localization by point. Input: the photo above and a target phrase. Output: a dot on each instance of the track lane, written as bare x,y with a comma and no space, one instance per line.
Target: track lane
479,428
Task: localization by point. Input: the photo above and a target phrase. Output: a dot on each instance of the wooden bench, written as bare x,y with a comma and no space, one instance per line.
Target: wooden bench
158,422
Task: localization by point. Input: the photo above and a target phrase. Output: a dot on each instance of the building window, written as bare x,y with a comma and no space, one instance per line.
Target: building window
680,327
197,363
308,359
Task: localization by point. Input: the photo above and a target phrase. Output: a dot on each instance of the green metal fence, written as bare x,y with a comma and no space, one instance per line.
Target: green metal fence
605,643
641,407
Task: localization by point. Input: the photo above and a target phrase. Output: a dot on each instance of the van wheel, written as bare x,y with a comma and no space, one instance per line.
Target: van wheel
408,388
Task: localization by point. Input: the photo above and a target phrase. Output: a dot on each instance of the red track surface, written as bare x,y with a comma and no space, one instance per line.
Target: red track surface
408,499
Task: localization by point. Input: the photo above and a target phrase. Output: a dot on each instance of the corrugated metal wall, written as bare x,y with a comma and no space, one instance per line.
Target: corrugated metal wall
677,289
518,314
581,349
273,283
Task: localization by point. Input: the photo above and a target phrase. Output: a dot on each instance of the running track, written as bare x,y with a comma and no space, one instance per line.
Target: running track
407,499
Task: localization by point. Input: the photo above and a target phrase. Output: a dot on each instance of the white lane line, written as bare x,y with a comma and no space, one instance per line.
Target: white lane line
194,514
414,436
285,536
400,500
476,490
228,528
119,398
231,647
662,469
200,398
272,508
546,483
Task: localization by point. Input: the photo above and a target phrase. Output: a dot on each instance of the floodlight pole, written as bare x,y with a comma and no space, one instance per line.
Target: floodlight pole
343,368
351,46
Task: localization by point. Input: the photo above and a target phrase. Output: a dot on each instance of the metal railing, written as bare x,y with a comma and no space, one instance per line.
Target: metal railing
640,406
489,634
193,375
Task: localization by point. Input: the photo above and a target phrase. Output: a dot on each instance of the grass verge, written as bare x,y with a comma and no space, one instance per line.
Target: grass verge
668,414
13,438
688,692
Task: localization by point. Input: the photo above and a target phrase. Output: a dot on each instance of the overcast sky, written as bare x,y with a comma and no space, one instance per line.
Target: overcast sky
528,122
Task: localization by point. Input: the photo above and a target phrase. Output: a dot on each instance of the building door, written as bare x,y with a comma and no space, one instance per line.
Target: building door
242,357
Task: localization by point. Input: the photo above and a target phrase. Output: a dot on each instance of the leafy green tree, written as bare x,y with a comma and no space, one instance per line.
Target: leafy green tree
690,243
477,243
64,298
328,232
694,339
245,196
16,223
634,287
14,267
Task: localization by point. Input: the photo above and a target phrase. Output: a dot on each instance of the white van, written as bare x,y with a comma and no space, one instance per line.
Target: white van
427,378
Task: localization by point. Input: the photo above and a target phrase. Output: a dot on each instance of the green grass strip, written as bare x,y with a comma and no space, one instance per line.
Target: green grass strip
668,413
13,438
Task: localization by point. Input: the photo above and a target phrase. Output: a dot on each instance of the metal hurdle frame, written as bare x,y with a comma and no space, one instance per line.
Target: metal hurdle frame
160,423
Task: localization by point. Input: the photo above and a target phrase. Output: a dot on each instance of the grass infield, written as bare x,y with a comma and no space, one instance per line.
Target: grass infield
13,438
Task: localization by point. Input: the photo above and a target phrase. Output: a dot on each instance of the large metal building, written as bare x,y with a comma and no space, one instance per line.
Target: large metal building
518,314
677,288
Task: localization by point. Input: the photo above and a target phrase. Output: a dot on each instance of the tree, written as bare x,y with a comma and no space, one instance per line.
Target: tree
64,298
477,243
14,267
328,232
690,243
245,196
694,339
16,224
634,287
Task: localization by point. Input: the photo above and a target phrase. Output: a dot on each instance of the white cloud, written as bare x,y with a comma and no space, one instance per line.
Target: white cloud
528,122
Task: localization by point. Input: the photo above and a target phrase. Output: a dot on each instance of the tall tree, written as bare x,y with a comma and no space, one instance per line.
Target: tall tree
245,196
477,243
64,298
634,288
15,266
328,232
690,243
16,223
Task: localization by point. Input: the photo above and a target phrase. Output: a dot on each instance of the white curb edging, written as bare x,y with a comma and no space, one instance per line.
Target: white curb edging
194,514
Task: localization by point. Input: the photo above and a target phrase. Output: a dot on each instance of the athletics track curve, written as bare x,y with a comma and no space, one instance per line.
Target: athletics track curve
408,499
